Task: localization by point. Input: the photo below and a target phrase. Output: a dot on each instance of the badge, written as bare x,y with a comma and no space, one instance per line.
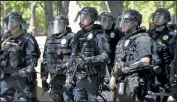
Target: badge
165,37
90,36
112,35
63,41
126,43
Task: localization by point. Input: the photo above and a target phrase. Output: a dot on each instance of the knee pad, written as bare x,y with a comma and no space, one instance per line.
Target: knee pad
22,99
2,99
6,98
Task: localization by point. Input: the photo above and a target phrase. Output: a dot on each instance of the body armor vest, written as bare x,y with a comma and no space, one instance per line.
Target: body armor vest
13,54
58,50
126,51
90,50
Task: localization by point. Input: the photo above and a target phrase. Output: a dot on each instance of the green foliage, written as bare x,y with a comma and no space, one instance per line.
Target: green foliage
99,5
146,8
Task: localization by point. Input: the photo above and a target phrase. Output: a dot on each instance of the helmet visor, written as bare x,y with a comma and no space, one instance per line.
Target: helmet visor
159,19
56,27
106,22
12,22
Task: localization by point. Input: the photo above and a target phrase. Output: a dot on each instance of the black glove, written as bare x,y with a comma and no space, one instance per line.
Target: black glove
22,72
81,61
45,85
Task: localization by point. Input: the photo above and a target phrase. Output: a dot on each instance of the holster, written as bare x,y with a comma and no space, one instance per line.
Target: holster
32,77
81,75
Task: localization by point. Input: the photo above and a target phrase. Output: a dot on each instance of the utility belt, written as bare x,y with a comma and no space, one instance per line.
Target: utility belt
92,71
31,76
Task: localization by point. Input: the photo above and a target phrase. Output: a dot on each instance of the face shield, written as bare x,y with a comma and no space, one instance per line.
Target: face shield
126,23
85,18
106,22
12,22
159,19
57,27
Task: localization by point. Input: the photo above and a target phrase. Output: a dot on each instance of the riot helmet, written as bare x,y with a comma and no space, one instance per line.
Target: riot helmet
13,20
161,16
88,15
58,26
106,20
129,20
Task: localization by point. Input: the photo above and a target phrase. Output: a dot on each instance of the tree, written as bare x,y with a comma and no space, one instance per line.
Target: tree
32,17
63,7
116,8
48,12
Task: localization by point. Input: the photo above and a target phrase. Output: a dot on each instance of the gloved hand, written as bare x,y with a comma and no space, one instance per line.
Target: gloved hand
45,85
68,83
81,61
22,72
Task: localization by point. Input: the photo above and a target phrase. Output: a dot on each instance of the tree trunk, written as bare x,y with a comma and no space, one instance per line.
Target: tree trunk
133,4
48,13
163,2
156,4
63,7
32,18
116,8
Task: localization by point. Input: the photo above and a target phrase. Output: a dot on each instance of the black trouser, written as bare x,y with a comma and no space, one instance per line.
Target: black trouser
25,89
85,90
57,93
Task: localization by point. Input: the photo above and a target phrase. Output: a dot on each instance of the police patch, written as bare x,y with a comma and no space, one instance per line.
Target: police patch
63,41
165,37
90,36
126,43
112,35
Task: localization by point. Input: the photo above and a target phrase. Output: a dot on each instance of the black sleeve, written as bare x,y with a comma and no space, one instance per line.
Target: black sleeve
44,71
144,46
31,53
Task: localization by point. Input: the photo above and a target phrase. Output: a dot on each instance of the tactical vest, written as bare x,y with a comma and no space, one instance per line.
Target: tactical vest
13,54
58,50
126,51
165,47
91,50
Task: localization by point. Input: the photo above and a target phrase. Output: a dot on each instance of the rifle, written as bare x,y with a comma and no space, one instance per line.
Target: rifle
76,67
114,92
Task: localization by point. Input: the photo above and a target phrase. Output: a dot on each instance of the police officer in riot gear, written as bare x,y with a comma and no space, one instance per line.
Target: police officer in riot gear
56,57
132,49
91,60
164,45
20,53
107,21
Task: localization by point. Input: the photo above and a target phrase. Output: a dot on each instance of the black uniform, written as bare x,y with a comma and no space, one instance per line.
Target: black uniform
93,58
163,45
20,53
56,55
134,46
